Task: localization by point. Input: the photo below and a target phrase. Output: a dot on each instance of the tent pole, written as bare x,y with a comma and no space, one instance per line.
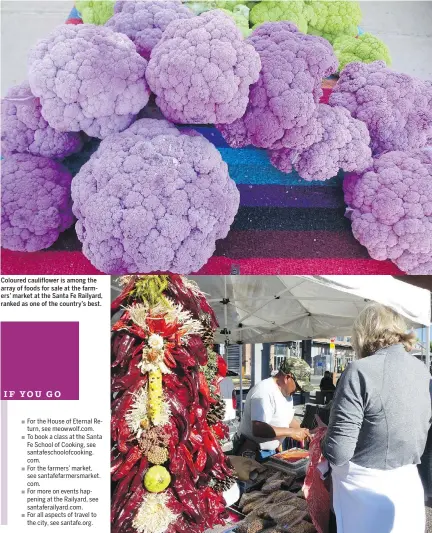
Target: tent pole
241,377
225,306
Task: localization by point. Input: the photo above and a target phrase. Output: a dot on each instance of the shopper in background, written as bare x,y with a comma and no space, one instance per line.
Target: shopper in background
425,467
378,428
268,416
327,387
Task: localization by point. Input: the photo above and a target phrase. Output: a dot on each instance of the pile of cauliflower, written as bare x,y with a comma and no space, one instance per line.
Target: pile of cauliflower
153,197
390,204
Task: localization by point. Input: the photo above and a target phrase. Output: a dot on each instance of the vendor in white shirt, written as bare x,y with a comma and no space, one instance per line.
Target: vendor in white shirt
268,417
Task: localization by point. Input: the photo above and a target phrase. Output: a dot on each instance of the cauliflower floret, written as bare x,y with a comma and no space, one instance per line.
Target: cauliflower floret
349,183
365,48
201,70
396,108
145,21
153,199
392,210
36,202
343,144
282,109
24,130
88,78
332,18
95,11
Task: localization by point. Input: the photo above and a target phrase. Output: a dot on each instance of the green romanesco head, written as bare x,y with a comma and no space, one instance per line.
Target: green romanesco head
240,15
95,11
229,5
294,11
201,7
365,49
331,18
208,5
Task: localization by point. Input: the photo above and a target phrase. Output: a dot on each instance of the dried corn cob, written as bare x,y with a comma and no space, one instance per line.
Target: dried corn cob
155,395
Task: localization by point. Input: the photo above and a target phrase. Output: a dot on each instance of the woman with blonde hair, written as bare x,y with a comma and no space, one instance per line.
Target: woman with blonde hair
378,428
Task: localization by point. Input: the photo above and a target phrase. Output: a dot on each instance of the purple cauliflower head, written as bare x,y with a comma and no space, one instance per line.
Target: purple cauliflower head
349,184
153,199
36,202
343,143
396,108
392,210
282,106
201,70
24,130
88,78
145,21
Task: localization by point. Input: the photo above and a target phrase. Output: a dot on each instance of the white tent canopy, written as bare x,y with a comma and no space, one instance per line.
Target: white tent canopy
257,309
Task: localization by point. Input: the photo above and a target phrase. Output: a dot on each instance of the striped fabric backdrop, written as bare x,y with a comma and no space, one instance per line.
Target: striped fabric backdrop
285,225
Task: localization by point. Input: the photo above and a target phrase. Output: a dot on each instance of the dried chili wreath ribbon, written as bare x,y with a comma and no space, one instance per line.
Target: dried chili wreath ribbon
168,468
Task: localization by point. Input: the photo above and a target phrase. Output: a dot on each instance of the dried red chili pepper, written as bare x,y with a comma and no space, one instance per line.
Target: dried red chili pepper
200,414
212,451
195,440
190,381
169,358
122,322
181,392
173,503
172,381
189,460
116,461
177,464
183,357
137,330
201,460
122,488
189,499
192,417
161,327
220,430
172,431
139,475
129,509
197,349
132,457
123,349
181,418
222,366
115,342
203,385
127,380
206,398
115,304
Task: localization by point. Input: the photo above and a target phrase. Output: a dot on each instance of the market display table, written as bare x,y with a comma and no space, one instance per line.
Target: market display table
285,225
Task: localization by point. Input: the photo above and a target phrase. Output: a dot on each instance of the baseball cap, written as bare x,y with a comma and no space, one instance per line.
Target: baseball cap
299,370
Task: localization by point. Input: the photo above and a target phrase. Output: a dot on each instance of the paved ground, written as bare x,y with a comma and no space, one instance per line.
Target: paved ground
405,26
428,519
